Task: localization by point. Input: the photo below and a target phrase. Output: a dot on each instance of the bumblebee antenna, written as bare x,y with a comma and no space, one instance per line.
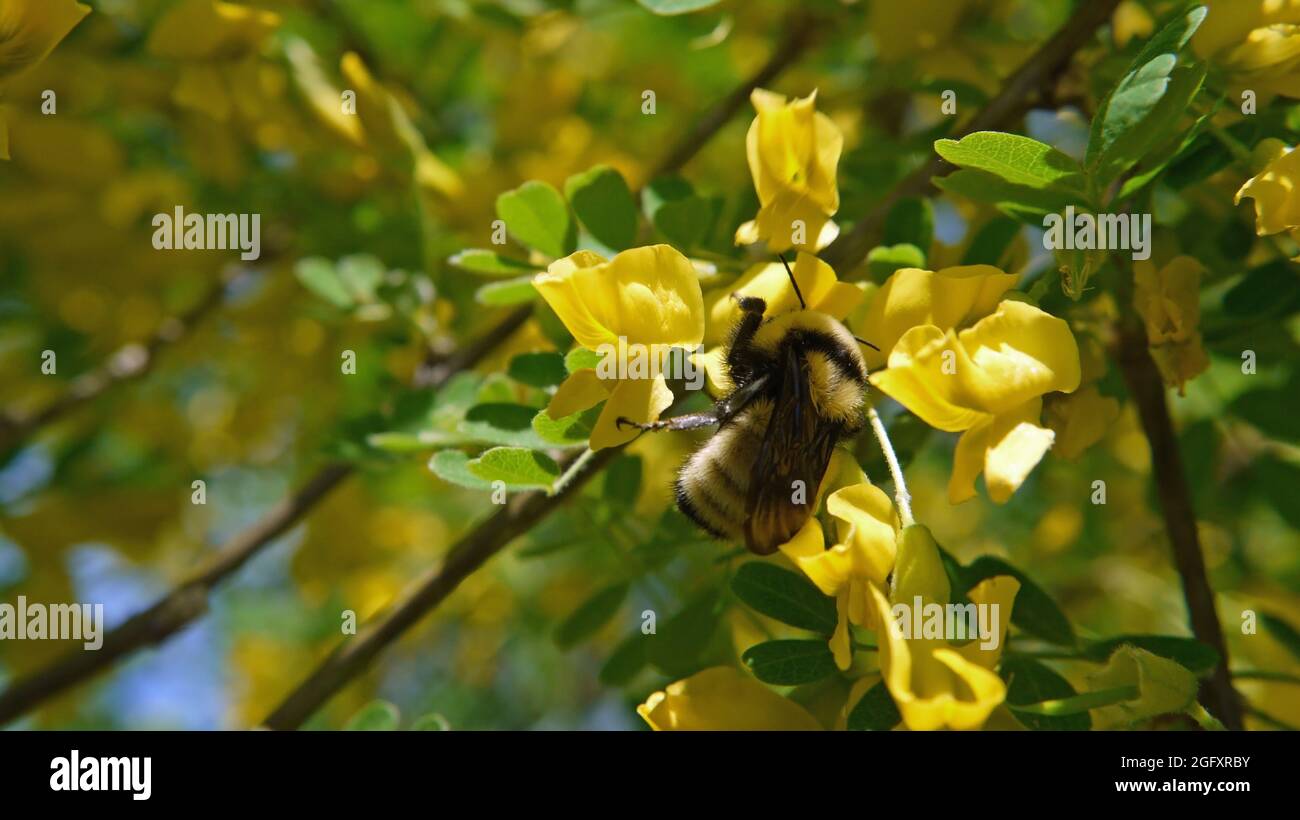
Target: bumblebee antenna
865,342
802,305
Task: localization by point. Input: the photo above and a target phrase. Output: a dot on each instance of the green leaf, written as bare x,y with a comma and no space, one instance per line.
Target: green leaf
432,722
669,7
1031,681
991,243
1156,125
499,423
1034,610
318,276
580,358
1271,411
885,259
603,203
874,712
519,468
628,658
490,263
378,716
452,466
1268,290
1141,88
790,663
910,222
672,206
544,369
1283,632
786,596
361,274
570,431
537,216
590,616
623,480
1016,160
678,645
1191,653
507,292
1022,202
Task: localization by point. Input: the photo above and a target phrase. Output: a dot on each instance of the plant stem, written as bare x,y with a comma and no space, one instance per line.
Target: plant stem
901,497
1081,703
1146,388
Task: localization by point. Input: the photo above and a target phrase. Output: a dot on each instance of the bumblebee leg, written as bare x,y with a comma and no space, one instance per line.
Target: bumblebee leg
690,421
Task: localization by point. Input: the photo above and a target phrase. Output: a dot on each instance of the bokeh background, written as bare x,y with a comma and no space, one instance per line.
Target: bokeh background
158,106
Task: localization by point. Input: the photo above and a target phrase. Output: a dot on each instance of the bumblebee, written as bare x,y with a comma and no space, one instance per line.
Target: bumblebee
799,389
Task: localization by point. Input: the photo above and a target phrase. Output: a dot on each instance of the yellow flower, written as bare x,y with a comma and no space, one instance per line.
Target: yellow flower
821,289
987,382
867,529
933,684
1256,42
1168,301
793,150
641,298
948,299
29,31
722,698
1277,206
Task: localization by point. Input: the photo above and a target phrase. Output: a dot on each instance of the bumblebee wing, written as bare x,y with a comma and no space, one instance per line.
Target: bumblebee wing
797,447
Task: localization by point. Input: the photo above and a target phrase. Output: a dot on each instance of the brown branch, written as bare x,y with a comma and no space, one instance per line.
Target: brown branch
187,602
423,595
128,363
1147,389
849,249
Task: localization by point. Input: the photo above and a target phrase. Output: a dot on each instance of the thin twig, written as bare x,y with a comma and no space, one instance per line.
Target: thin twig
187,602
851,247
128,363
420,598
1147,389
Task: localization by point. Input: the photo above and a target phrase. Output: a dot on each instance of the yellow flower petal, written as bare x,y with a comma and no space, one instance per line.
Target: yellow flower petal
582,390
933,686
792,151
639,400
999,591
948,299
821,289
922,376
1277,205
1018,352
1016,445
722,698
648,295
30,29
